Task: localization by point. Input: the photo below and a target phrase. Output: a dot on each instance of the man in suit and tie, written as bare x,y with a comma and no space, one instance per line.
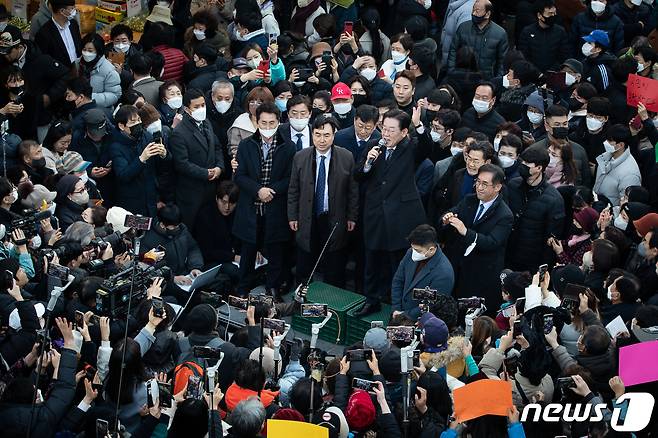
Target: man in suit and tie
476,232
197,155
392,206
424,265
297,130
261,219
60,36
322,193
355,138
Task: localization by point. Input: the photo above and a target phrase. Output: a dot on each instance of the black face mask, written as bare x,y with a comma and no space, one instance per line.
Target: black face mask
315,112
477,20
549,21
360,99
524,171
16,90
575,104
560,132
39,164
136,131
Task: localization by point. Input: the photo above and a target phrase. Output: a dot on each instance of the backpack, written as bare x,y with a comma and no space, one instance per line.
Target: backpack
188,365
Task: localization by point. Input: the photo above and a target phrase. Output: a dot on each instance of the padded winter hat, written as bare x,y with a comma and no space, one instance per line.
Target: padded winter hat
435,333
268,359
288,414
202,319
333,419
65,186
360,412
116,216
635,210
563,275
389,365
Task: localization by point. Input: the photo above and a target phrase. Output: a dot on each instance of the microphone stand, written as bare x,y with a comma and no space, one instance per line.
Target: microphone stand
260,353
406,366
277,351
54,297
317,262
136,243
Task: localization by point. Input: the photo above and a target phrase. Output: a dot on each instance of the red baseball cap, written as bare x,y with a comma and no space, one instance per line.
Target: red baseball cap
341,91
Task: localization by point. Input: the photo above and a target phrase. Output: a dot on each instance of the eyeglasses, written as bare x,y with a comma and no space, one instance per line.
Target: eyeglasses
255,102
82,190
481,183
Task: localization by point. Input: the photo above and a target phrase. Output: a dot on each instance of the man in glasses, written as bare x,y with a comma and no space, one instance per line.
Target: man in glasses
476,233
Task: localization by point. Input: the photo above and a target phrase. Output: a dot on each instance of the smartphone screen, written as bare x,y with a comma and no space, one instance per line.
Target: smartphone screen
158,306
102,428
79,319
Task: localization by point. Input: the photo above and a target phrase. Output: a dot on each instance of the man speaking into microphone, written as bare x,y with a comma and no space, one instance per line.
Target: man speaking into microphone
392,205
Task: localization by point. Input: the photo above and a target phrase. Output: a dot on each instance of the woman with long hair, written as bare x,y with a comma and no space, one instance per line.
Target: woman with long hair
561,170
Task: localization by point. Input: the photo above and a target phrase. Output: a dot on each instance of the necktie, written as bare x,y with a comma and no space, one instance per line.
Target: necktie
319,187
362,143
479,213
266,150
300,145
389,152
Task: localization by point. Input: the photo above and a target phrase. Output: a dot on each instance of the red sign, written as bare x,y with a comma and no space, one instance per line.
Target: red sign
641,89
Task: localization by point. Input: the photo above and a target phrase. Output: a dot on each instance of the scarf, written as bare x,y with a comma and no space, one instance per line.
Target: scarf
577,239
298,21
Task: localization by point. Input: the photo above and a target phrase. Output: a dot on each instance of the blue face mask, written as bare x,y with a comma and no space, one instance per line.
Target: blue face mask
642,250
281,104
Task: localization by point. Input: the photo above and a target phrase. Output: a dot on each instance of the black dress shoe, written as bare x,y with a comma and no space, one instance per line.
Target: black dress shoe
367,309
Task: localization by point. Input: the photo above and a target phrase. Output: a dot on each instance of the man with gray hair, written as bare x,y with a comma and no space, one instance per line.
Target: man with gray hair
247,418
223,109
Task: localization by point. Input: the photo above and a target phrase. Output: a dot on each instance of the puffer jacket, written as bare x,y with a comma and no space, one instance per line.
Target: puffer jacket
458,12
631,19
538,213
105,83
182,252
490,46
614,175
491,363
175,59
585,22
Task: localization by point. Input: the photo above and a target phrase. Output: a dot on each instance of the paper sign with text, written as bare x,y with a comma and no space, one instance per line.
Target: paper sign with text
636,363
483,397
641,89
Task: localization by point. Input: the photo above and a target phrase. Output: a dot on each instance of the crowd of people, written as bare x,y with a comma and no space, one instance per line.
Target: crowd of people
480,153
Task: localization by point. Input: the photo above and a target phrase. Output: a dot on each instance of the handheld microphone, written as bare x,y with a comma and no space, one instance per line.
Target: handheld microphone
381,144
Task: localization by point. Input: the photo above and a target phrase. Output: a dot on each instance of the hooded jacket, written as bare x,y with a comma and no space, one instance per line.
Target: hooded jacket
182,252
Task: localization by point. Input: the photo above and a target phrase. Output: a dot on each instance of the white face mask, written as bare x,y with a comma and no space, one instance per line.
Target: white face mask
636,2
640,67
609,294
496,143
655,122
480,106
88,56
222,106
175,102
598,7
51,208
199,114
569,79
534,118
35,242
342,108
593,124
620,223
268,133
436,137
506,161
3,232
588,263
122,47
3,26
418,256
506,82
84,177
299,124
253,63
154,127
14,196
199,34
587,49
398,57
609,147
368,73
454,151
314,38
72,14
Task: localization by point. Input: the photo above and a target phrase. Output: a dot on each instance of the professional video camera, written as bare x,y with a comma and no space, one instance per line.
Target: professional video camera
113,294
119,243
29,222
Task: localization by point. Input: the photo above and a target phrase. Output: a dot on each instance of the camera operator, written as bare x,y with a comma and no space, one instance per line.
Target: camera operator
14,246
8,196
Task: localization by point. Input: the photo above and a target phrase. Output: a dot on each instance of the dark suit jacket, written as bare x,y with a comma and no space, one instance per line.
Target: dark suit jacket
51,43
248,178
343,195
284,130
478,273
392,204
194,150
437,274
346,138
